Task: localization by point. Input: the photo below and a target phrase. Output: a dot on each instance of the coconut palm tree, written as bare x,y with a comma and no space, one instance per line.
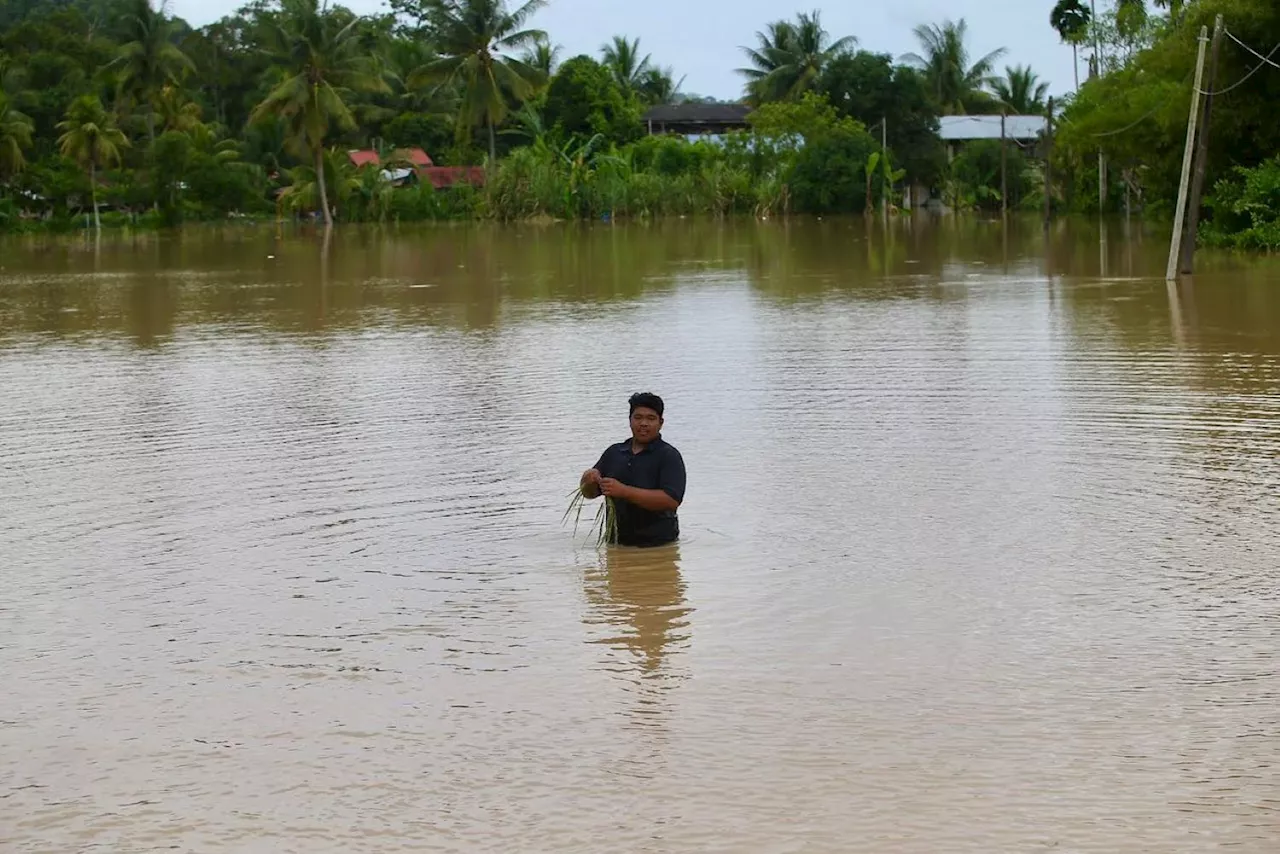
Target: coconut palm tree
622,57
472,38
790,58
542,55
15,135
774,43
321,65
1020,91
1071,19
659,86
90,137
149,60
957,83
176,111
310,186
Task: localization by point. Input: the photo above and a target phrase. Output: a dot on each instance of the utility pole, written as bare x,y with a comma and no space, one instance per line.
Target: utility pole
1097,69
1179,217
884,166
1097,36
1048,168
1187,259
1004,167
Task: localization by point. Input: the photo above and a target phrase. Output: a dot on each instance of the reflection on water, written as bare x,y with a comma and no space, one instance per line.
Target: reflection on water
980,544
637,610
640,595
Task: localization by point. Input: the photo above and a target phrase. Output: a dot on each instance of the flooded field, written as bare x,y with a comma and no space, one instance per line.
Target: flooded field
981,546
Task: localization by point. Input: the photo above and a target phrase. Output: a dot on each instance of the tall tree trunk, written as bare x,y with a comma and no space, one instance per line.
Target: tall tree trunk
93,191
151,136
493,145
1075,63
324,195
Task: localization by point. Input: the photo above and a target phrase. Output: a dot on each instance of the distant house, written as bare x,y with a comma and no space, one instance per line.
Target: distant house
954,130
413,164
447,176
360,159
693,119
419,158
964,128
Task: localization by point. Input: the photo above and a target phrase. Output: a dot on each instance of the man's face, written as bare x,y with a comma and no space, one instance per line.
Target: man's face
645,424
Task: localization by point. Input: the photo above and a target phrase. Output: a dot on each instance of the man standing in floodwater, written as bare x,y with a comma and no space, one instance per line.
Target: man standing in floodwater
644,476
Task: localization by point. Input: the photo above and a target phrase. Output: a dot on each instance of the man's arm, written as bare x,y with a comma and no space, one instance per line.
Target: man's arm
654,500
668,497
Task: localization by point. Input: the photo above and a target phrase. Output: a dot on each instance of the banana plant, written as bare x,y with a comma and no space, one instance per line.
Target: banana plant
891,176
873,163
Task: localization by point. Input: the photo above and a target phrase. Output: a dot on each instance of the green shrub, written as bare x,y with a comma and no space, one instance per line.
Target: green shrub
1245,208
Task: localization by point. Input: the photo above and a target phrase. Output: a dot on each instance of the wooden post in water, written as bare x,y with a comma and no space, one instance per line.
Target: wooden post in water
1048,168
1102,183
1180,214
884,167
1004,167
1186,262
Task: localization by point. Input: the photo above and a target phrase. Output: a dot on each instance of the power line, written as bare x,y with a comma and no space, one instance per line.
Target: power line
1130,127
1266,60
1157,108
1064,120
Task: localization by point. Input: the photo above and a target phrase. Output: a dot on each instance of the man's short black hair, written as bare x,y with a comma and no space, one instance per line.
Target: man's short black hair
648,400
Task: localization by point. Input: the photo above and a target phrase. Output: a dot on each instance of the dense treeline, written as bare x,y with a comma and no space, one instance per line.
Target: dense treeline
1133,109
116,104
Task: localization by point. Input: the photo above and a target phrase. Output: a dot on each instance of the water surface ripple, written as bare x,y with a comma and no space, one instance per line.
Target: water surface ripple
981,548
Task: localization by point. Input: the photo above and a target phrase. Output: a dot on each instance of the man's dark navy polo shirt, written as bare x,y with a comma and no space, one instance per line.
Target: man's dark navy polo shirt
658,466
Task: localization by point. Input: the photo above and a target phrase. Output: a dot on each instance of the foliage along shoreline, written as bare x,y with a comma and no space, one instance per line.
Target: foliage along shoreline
114,112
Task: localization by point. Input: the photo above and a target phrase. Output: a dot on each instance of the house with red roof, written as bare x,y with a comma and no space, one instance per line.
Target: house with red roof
414,162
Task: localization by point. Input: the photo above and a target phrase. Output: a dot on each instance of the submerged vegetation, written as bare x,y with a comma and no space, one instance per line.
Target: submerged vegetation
116,111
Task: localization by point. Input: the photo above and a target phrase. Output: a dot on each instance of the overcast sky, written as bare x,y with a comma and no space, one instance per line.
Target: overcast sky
700,39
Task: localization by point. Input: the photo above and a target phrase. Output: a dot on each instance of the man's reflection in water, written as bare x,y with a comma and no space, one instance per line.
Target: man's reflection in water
639,595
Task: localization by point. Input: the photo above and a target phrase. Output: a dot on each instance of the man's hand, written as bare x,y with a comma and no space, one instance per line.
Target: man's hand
654,500
614,488
590,483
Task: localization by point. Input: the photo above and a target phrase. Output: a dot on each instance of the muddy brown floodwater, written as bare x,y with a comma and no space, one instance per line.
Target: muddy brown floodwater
981,547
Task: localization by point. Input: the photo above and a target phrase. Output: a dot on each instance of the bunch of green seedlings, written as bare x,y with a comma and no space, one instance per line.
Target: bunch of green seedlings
605,526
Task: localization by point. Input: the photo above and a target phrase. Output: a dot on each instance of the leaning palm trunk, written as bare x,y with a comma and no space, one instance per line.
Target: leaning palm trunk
324,196
493,146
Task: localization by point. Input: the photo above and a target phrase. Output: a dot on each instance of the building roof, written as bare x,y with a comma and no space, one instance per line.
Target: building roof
364,158
956,128
694,113
416,156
